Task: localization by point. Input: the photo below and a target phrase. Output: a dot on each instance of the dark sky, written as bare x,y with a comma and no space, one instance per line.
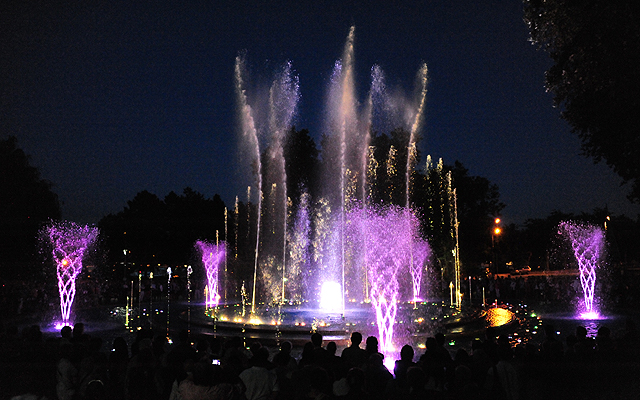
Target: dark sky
111,99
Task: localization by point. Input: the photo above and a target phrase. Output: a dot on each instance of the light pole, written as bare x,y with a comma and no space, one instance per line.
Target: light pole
495,232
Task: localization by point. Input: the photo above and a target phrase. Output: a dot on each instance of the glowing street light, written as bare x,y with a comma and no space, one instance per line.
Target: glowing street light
495,232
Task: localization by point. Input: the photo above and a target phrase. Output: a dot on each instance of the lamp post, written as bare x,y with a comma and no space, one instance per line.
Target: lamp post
495,232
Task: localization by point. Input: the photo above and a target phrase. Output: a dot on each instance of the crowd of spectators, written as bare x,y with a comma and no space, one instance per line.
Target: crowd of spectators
217,368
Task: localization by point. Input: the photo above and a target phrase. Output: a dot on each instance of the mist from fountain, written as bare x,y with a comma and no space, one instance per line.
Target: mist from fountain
588,245
69,243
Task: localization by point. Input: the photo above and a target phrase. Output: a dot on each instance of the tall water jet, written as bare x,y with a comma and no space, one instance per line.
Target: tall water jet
69,243
250,135
415,125
588,245
213,256
265,125
283,101
316,238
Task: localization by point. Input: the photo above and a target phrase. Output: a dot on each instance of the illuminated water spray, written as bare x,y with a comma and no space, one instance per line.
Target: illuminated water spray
588,245
420,252
322,254
213,256
70,242
265,122
389,234
250,135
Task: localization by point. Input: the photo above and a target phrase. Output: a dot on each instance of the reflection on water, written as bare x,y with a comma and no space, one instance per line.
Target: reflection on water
498,316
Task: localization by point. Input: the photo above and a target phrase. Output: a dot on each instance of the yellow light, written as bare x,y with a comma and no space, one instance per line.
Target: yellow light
497,231
65,262
497,221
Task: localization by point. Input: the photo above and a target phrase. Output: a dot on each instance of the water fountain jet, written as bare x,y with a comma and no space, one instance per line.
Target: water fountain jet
588,245
69,243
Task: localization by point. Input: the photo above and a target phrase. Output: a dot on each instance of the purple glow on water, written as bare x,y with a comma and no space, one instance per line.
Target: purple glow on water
587,243
213,256
69,242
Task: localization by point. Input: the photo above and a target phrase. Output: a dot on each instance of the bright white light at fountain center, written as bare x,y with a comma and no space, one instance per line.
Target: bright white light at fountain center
331,297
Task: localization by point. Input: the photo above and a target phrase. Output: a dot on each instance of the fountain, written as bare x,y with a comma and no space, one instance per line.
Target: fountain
346,254
69,243
213,255
336,253
588,245
388,235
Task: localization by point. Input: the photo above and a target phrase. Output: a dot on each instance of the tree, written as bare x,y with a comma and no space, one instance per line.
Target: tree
155,231
478,203
26,202
301,157
595,46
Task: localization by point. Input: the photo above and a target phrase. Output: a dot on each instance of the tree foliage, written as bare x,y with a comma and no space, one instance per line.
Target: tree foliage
26,202
595,47
155,231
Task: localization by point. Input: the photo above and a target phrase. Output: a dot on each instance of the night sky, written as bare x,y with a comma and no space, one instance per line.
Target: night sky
111,99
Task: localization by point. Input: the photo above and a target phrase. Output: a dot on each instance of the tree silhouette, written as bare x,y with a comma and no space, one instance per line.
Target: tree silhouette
595,47
26,202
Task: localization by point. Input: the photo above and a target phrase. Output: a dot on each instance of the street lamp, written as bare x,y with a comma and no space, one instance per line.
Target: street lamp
495,232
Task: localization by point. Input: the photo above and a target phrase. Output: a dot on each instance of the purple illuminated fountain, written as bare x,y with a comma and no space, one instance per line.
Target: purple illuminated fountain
588,245
334,253
213,256
389,238
70,242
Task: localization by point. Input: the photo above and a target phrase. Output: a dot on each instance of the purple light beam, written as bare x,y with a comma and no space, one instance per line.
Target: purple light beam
69,241
587,243
388,254
420,254
212,257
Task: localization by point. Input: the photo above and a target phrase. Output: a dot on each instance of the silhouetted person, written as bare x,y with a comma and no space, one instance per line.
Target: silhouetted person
605,348
335,365
285,366
551,349
416,384
67,373
585,346
371,347
502,379
377,376
433,365
118,360
356,384
308,355
78,333
403,364
260,382
320,354
354,356
65,333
